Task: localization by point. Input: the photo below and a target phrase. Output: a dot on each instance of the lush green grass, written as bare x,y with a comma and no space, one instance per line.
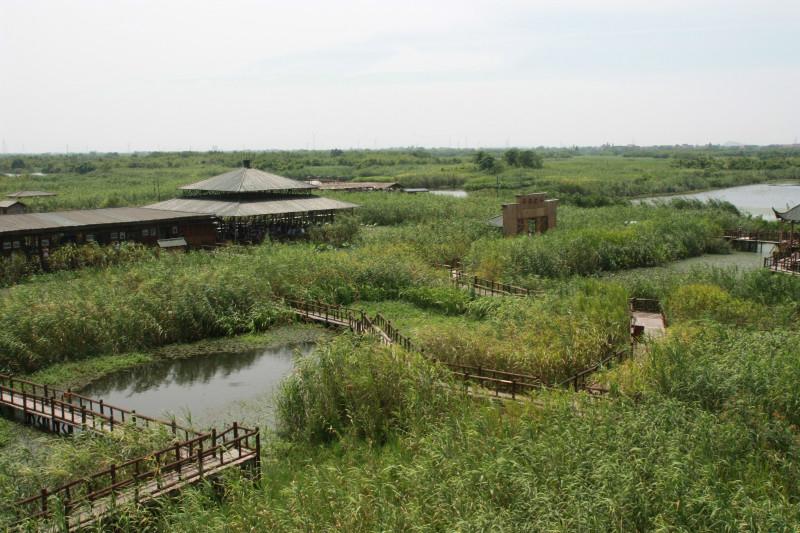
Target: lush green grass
565,463
587,177
701,436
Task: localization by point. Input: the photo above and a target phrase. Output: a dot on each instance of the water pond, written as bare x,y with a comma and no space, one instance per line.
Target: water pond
454,193
205,390
757,200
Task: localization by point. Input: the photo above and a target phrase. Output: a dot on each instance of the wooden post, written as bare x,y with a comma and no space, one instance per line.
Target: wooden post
200,458
236,438
258,455
178,458
113,482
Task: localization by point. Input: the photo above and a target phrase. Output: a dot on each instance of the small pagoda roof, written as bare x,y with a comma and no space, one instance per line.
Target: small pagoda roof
29,194
790,215
247,180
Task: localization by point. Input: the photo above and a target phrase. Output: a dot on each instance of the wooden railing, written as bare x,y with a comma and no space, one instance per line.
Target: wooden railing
579,381
74,410
144,478
789,264
497,381
393,334
753,235
487,287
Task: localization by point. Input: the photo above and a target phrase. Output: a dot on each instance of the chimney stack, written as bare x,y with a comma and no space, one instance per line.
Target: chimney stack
246,163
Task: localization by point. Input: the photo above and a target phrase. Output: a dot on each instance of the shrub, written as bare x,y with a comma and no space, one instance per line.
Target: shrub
446,299
359,389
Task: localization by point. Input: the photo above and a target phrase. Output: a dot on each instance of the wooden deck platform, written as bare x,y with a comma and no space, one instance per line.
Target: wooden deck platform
653,324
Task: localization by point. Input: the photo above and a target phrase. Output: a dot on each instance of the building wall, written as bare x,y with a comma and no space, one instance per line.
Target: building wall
16,209
531,214
197,234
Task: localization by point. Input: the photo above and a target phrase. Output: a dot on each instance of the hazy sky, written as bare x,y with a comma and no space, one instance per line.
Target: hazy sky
118,75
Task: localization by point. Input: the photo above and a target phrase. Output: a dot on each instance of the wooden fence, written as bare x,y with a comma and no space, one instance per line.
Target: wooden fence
789,264
83,501
487,287
67,410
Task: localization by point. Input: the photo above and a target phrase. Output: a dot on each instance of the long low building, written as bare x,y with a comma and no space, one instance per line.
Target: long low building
38,233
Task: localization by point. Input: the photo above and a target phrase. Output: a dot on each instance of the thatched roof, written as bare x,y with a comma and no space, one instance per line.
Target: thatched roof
250,208
30,194
247,179
56,220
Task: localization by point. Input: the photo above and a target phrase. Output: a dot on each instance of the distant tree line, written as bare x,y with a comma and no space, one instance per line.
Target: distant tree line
513,157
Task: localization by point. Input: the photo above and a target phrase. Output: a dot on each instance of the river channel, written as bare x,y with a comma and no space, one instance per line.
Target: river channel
757,200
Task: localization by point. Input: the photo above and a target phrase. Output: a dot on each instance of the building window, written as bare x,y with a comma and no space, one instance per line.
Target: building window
122,235
174,230
45,243
16,245
7,245
114,236
90,238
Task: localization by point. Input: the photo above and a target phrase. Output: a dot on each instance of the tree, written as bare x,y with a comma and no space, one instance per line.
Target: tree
486,162
511,157
530,159
84,168
17,164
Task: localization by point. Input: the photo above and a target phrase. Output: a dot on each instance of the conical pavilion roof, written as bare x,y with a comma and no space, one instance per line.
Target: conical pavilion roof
247,180
790,215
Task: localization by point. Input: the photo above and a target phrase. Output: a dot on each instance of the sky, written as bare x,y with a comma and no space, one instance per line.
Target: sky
115,75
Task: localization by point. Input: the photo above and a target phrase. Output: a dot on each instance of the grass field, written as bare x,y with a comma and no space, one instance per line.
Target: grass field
700,432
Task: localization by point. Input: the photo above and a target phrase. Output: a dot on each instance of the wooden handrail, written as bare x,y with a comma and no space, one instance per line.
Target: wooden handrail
75,403
119,477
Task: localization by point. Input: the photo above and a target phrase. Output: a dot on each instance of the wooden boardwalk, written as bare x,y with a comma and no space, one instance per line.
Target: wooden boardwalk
65,411
485,287
192,456
784,265
647,320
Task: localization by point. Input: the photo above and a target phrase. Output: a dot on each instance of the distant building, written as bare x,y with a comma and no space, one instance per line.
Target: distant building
12,207
355,185
252,204
532,214
39,233
30,194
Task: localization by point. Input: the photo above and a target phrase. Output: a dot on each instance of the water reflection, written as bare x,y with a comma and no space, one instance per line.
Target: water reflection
758,200
454,193
204,385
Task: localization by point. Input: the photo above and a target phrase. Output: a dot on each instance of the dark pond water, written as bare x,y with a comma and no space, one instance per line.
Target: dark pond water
205,390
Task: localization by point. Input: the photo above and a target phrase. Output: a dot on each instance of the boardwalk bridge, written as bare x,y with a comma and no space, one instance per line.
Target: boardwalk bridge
83,502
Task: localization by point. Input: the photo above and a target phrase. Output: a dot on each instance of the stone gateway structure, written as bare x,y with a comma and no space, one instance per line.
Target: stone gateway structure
532,214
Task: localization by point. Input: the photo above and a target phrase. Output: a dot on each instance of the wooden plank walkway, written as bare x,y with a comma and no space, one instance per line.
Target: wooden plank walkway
646,319
82,502
784,265
65,411
485,287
